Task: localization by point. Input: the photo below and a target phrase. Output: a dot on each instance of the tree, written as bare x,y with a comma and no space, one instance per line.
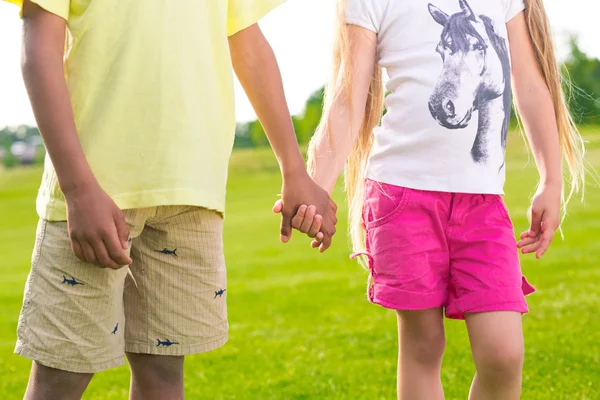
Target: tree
584,73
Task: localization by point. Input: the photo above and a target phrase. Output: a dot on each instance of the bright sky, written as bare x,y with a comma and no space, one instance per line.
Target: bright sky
300,32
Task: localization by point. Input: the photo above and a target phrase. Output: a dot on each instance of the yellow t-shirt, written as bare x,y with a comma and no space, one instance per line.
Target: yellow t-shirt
151,87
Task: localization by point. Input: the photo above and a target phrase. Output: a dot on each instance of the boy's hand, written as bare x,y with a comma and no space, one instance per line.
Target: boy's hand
97,227
545,220
297,192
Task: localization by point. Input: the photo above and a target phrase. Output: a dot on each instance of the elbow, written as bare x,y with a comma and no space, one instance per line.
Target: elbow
531,96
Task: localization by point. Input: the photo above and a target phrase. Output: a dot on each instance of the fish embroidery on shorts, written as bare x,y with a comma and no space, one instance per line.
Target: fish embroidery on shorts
167,252
72,281
114,332
220,293
165,343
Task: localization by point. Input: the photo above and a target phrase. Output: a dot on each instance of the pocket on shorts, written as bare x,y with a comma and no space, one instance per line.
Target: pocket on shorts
383,202
503,210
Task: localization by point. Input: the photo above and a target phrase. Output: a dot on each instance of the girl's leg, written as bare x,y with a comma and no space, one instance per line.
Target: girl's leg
421,344
497,346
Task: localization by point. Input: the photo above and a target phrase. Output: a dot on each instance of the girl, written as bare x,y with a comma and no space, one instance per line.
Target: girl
425,185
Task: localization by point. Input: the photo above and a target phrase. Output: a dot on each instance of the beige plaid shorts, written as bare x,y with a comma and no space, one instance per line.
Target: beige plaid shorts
171,301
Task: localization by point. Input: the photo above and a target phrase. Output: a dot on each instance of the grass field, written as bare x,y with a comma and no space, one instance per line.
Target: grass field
301,327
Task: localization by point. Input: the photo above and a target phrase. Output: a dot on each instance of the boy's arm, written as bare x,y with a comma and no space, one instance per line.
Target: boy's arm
256,68
97,231
537,113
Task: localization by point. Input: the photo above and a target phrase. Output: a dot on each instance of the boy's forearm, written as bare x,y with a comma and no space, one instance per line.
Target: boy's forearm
256,68
42,67
539,120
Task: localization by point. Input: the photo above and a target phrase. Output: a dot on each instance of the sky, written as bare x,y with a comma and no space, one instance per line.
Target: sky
300,33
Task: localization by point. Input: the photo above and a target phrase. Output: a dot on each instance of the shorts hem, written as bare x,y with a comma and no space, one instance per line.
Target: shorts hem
501,299
145,348
397,299
76,366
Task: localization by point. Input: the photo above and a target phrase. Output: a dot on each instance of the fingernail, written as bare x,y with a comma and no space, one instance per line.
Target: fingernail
283,239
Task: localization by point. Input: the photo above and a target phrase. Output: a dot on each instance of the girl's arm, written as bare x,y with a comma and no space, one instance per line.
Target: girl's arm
256,68
536,108
331,150
98,230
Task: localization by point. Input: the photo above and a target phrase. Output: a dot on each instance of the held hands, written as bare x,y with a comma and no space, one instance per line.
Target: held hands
545,220
97,228
317,220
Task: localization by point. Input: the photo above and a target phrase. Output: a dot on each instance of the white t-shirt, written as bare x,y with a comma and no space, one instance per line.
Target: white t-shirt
449,76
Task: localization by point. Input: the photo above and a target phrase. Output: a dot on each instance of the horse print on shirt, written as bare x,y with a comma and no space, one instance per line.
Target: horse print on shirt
475,77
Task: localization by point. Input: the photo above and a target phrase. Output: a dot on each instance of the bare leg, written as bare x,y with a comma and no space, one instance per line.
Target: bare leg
497,345
421,344
49,384
156,377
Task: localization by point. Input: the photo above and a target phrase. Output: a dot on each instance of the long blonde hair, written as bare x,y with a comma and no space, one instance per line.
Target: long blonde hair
339,88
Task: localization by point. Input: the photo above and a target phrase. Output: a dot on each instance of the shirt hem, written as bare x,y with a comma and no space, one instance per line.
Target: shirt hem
433,184
52,209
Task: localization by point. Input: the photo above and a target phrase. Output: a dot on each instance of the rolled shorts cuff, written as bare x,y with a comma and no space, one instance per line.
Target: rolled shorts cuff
500,299
398,299
76,366
145,348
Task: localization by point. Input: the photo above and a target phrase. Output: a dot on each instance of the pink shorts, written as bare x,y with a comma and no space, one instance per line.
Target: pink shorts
432,249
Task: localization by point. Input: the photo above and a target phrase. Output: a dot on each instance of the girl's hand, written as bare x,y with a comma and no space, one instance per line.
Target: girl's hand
306,221
545,220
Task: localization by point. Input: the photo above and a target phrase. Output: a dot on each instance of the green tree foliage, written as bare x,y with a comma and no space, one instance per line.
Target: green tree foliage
584,73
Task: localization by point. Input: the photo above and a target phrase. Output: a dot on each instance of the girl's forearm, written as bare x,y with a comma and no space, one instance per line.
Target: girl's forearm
43,73
331,151
539,120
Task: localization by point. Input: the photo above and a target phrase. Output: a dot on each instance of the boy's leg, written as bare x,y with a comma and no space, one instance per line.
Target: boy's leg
497,345
421,344
48,383
175,300
156,377
72,317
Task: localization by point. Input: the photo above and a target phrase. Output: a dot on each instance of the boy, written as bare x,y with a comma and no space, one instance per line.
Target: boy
138,122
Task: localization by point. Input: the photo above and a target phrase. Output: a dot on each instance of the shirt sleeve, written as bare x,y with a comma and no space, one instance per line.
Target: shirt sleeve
513,8
243,13
57,7
367,14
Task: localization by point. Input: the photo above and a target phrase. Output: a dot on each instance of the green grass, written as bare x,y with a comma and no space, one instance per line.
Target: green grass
301,327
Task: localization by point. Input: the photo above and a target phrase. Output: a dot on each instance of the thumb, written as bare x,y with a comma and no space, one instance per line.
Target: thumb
122,230
278,207
536,222
286,227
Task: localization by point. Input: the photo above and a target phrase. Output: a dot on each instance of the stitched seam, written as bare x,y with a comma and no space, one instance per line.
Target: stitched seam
34,266
401,206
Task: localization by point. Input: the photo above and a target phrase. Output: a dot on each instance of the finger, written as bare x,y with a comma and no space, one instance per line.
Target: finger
286,227
333,205
77,250
122,230
526,234
315,227
315,243
278,207
88,252
536,222
545,243
319,237
532,248
309,219
102,256
115,251
299,217
325,244
527,241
